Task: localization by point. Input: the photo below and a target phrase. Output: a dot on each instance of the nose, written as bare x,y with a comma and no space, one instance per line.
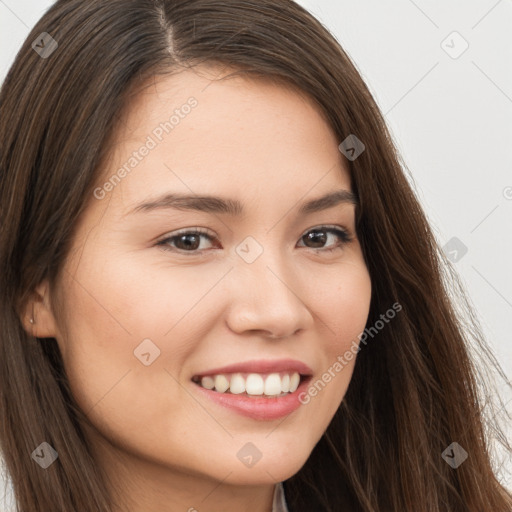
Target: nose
266,299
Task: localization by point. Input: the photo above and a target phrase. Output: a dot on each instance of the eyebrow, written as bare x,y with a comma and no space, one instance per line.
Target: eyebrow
233,207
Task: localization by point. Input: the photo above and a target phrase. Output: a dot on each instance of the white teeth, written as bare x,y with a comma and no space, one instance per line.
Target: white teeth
273,384
237,384
294,382
254,384
207,382
285,383
221,383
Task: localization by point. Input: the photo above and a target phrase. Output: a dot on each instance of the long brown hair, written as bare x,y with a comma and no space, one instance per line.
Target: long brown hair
416,386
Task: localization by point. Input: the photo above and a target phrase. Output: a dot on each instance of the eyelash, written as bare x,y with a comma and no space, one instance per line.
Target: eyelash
341,233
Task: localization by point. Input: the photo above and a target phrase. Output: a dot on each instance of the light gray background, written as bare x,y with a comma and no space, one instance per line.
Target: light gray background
451,116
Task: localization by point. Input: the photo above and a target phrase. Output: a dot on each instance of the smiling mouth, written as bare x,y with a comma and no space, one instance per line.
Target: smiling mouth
256,385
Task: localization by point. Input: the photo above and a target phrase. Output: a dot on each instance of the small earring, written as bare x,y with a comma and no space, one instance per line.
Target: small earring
31,320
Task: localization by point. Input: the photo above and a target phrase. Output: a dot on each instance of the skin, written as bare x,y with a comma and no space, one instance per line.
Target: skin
167,447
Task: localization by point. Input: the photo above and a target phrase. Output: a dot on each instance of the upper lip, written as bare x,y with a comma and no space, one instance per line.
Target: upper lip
261,366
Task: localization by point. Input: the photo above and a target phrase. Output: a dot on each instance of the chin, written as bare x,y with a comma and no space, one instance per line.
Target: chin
269,469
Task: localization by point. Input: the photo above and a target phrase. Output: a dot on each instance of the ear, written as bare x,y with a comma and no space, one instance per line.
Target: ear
38,308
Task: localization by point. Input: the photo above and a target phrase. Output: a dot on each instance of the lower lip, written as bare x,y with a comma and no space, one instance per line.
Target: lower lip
258,408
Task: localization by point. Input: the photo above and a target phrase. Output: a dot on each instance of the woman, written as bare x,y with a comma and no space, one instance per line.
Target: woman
220,291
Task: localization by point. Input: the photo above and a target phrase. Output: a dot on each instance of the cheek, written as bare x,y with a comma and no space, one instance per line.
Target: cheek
342,307
342,301
96,344
120,301
150,296
122,313
123,397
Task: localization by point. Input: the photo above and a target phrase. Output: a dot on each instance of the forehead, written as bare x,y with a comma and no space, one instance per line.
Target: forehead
197,131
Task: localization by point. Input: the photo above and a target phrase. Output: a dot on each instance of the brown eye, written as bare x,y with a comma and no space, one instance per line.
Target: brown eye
186,241
318,237
189,241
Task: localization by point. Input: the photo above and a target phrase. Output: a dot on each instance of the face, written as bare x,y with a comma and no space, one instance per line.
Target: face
160,293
